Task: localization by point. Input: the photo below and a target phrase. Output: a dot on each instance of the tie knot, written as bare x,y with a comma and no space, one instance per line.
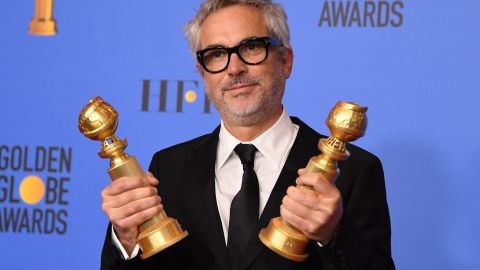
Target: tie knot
246,152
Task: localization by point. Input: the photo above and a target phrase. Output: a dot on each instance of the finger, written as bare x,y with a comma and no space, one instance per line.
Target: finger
297,221
305,198
313,230
301,171
316,180
129,196
303,211
132,208
123,184
325,197
316,209
151,179
137,219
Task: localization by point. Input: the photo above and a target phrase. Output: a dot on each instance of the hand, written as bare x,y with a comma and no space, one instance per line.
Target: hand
316,214
128,202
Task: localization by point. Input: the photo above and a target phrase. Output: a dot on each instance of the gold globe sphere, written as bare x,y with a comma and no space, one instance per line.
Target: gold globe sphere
98,120
347,121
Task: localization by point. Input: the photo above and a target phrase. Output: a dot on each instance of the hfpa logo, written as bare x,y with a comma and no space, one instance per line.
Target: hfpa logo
171,95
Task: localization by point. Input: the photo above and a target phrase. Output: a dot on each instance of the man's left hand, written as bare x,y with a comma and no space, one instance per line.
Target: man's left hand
316,214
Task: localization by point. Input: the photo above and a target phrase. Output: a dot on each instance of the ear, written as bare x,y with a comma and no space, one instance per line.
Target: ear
287,60
199,69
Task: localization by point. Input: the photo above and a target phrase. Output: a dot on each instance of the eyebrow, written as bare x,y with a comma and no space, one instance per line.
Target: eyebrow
218,45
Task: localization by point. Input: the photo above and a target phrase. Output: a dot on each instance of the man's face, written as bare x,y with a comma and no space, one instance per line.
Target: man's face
244,94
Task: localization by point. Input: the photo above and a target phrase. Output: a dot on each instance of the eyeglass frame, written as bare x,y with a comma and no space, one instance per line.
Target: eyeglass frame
268,41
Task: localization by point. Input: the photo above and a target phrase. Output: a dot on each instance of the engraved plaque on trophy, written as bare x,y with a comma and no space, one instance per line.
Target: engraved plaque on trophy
347,122
98,121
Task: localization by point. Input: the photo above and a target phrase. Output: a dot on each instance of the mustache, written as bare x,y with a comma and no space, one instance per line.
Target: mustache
239,80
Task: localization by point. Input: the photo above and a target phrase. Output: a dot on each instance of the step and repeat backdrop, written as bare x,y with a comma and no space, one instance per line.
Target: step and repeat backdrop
415,64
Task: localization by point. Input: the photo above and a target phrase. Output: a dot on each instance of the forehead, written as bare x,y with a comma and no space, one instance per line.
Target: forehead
230,25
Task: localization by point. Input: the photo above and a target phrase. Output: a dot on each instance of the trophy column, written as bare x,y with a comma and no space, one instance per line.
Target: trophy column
98,121
347,122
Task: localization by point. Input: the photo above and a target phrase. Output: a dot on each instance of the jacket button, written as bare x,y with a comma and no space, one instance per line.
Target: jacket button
341,255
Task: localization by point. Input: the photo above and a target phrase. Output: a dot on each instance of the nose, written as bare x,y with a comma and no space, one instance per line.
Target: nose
236,65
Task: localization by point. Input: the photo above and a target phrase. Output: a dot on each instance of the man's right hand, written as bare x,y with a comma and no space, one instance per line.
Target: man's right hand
128,202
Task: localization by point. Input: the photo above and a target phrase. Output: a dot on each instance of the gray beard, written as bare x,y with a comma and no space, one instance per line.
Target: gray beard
265,106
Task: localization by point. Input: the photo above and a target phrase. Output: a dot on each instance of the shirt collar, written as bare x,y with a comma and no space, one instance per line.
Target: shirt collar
272,144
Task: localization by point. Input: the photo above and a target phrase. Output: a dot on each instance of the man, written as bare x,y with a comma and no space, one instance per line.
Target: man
244,56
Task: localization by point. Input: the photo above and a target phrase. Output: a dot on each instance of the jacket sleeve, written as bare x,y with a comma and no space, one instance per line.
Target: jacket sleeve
111,257
362,240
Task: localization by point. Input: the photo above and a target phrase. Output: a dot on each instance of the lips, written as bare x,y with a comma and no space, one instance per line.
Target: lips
240,86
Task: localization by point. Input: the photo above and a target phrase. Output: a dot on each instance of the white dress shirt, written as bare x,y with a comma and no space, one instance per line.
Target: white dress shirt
273,148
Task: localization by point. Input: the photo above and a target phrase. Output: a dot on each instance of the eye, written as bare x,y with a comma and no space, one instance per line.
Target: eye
252,46
217,53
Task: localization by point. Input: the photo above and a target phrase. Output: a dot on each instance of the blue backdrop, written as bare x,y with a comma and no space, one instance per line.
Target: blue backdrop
414,63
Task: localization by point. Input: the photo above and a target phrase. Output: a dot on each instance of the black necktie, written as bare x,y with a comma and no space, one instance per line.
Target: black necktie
244,207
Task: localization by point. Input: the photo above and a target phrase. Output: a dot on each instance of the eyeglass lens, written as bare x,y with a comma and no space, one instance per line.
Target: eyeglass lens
251,52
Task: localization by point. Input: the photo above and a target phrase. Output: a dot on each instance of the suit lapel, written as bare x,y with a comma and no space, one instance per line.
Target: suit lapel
210,224
302,149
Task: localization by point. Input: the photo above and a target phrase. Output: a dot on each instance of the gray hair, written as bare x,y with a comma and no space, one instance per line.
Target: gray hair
274,15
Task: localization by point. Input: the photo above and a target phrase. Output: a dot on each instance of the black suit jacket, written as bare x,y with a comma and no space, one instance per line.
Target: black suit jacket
187,188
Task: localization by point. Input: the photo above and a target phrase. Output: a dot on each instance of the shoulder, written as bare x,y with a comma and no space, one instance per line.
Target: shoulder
186,147
183,147
182,152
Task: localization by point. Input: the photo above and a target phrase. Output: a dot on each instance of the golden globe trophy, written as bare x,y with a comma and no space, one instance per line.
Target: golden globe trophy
347,122
43,22
98,121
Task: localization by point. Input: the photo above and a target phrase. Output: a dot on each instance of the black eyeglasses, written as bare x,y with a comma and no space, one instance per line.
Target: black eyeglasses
252,52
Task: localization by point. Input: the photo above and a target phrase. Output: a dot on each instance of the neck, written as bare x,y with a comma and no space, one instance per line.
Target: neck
250,132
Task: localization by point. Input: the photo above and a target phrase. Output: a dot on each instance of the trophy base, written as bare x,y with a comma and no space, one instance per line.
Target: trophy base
285,240
43,27
159,237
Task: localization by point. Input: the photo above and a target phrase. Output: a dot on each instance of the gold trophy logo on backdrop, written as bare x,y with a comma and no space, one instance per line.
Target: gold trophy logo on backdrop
347,122
98,121
43,22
